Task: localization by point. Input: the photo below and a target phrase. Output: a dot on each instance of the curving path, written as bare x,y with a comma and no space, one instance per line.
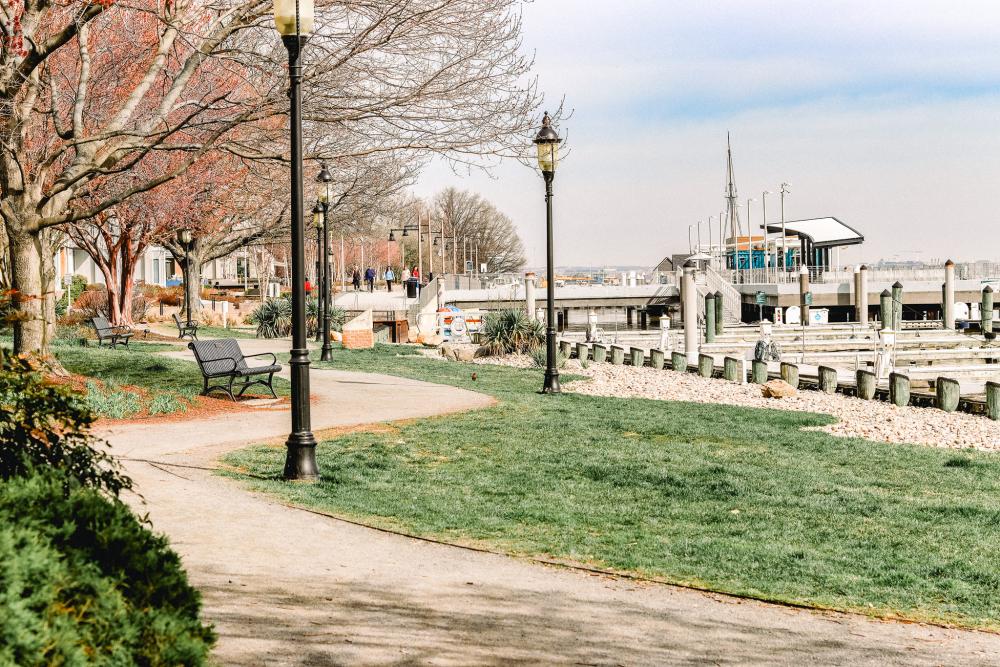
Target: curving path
288,587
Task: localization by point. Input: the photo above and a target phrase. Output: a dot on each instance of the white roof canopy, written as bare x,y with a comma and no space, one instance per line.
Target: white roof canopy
822,232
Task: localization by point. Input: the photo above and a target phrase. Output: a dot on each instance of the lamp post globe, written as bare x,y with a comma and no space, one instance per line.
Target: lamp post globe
547,146
294,21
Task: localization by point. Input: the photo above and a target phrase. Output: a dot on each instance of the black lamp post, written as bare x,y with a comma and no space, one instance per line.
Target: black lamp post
184,237
317,212
294,21
325,177
547,143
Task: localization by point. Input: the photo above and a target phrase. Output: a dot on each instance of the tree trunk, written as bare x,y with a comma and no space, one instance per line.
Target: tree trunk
26,281
192,288
48,277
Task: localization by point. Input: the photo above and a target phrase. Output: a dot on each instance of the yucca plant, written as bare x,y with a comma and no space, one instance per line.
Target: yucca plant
510,331
273,318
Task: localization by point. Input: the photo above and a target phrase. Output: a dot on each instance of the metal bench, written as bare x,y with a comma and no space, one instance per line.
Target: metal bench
188,328
107,333
223,360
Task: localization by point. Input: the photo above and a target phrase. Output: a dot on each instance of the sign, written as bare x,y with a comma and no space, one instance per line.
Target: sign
761,298
807,298
469,266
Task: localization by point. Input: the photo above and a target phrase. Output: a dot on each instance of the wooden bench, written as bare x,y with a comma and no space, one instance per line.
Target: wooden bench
222,359
188,328
107,333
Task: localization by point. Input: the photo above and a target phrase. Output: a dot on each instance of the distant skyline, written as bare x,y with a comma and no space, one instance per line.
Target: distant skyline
884,115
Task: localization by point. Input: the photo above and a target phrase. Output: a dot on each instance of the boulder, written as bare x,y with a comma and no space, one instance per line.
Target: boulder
454,352
777,389
430,340
336,336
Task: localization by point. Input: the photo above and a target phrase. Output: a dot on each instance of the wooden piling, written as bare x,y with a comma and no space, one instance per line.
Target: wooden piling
993,400
637,356
656,359
885,309
827,378
706,364
582,351
897,306
600,353
731,369
899,389
710,317
947,394
720,314
566,347
790,374
678,361
866,382
617,355
986,311
758,373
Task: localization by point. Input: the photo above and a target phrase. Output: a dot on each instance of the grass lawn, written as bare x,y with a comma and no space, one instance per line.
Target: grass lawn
730,499
221,332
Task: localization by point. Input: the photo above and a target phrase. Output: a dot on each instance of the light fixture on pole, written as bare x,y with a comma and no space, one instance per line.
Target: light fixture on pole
294,22
184,237
547,145
326,299
317,213
763,217
785,189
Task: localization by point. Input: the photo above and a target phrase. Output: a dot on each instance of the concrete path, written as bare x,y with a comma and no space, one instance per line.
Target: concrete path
288,587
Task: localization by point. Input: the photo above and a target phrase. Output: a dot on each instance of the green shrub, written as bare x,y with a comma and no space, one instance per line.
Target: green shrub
166,403
111,401
83,582
46,426
75,289
539,356
93,302
510,331
273,318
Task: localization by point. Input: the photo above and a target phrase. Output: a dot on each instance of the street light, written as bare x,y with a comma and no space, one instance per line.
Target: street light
317,212
784,253
326,284
763,217
294,22
184,237
547,144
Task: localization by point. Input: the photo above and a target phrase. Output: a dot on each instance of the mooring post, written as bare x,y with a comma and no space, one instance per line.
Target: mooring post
865,382
720,314
656,359
885,309
948,393
529,294
690,316
857,293
582,351
731,369
600,353
710,317
566,348
637,356
706,364
993,400
758,372
899,389
863,296
678,361
803,290
827,379
897,306
790,374
617,355
949,295
986,311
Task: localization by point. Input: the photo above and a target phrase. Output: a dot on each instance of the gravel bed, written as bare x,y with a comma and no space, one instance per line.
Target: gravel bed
872,420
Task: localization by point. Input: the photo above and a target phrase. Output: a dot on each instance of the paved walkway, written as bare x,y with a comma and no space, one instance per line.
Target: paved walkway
288,587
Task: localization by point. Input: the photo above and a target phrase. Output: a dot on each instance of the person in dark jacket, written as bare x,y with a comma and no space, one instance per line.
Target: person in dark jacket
370,278
356,279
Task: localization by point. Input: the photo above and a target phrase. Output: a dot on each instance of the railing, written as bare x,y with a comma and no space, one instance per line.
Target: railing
731,299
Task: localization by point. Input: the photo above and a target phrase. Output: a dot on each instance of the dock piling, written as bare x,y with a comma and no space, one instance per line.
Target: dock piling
720,314
866,384
582,351
899,389
790,374
885,309
706,364
949,295
986,311
731,369
637,356
993,400
678,361
600,353
897,306
948,393
758,372
827,378
617,355
710,317
656,359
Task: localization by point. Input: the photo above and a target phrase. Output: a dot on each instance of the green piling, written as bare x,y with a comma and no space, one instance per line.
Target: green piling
710,317
948,393
720,314
617,355
656,359
790,374
706,364
885,309
637,356
866,383
897,306
758,373
986,310
827,378
600,353
566,348
731,369
678,361
899,389
993,400
582,351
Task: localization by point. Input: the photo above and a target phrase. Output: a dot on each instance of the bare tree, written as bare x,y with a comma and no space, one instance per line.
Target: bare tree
475,220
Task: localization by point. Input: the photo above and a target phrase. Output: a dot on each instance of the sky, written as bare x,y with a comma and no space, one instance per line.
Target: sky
883,114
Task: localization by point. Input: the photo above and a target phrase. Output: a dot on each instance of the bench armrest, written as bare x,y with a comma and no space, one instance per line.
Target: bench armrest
274,358
202,362
123,329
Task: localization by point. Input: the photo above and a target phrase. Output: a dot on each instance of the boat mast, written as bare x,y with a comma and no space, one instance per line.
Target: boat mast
732,206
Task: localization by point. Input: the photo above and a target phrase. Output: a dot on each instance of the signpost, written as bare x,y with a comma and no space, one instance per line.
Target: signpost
761,300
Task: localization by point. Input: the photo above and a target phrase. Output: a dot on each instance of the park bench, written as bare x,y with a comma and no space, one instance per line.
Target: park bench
222,360
188,328
107,333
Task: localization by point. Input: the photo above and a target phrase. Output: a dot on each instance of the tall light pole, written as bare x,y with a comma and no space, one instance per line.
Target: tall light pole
750,200
763,210
547,144
294,21
184,237
317,212
784,253
325,178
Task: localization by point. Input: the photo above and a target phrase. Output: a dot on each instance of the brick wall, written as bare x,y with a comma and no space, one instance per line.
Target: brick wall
359,339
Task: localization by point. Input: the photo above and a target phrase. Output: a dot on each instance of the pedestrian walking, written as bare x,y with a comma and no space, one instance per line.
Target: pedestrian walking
356,279
370,278
404,276
389,277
